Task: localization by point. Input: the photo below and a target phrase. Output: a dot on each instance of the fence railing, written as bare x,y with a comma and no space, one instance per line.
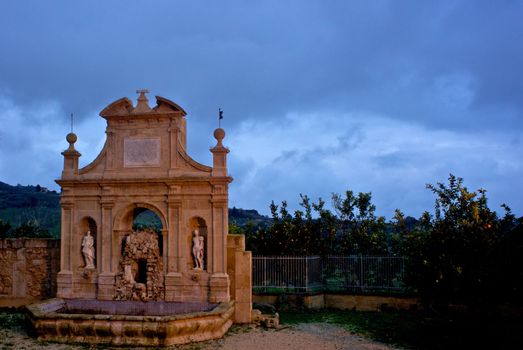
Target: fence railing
305,274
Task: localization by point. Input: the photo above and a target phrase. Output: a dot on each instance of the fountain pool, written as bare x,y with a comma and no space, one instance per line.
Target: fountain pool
129,322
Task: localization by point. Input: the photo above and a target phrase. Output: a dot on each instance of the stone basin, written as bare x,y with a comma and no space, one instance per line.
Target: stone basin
129,322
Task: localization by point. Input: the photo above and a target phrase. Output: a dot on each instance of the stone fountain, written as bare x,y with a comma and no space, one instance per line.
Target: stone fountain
184,280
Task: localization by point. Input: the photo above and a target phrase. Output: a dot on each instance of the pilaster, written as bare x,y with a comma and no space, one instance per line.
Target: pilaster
219,288
106,279
174,134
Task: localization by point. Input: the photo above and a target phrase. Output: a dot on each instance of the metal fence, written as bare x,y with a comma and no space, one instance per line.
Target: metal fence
305,274
295,274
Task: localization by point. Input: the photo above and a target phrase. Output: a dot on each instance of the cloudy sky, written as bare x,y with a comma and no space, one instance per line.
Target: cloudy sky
319,96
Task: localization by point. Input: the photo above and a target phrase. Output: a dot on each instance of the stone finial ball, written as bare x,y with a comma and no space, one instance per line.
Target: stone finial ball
219,134
71,137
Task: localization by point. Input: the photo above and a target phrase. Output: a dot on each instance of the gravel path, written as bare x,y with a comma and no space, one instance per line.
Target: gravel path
307,336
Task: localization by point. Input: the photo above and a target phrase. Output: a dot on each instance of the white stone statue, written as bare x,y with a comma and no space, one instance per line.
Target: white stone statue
128,274
88,250
198,250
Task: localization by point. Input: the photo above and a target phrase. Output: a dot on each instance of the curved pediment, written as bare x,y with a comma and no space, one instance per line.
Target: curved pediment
191,163
145,143
164,104
122,106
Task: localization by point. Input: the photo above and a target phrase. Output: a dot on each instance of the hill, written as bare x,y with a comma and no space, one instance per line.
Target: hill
243,216
34,205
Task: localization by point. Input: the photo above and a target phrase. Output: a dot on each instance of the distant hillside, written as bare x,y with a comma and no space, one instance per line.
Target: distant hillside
37,205
30,204
242,216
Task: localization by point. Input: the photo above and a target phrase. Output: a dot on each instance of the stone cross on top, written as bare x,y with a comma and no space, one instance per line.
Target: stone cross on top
143,102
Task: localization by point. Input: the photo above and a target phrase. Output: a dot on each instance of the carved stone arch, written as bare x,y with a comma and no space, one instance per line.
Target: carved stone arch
123,222
124,218
89,223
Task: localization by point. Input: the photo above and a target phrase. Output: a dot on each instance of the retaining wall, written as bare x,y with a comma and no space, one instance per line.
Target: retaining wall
337,301
28,269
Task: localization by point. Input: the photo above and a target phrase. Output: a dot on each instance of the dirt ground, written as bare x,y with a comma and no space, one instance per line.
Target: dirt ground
310,336
306,336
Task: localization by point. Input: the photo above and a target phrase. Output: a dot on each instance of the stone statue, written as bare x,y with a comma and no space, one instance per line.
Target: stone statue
88,250
198,250
128,274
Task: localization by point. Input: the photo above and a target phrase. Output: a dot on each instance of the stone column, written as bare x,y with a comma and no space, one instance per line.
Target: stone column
173,279
71,156
219,155
174,132
106,279
110,145
219,283
239,268
69,172
65,276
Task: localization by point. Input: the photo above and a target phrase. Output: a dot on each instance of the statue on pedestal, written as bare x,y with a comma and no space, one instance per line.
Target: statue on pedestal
198,250
88,250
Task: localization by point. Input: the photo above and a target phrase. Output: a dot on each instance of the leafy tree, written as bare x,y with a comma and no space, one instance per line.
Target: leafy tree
30,229
361,231
506,274
452,257
4,229
310,236
327,229
234,229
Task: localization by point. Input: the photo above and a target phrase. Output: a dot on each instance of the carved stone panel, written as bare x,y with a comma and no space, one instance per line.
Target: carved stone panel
140,152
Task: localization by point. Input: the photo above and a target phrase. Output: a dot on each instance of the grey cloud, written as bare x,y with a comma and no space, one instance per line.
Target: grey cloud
266,57
442,65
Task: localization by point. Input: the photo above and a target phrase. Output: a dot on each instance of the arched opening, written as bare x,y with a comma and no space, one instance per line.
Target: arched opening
139,227
144,219
197,224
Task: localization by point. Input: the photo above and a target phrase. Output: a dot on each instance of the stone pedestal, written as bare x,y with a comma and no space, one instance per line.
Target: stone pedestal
65,284
239,268
219,288
243,287
106,286
173,290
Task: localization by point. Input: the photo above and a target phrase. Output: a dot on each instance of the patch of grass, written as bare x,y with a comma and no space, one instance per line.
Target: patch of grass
421,330
239,329
12,319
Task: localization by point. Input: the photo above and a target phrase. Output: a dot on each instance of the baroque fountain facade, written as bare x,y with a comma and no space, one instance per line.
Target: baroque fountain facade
186,281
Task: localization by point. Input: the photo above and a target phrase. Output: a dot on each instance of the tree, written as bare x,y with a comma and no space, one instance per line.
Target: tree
361,231
5,227
450,256
30,229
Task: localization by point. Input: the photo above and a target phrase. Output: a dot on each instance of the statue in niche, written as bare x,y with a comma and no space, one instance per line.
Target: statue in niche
128,274
88,250
197,250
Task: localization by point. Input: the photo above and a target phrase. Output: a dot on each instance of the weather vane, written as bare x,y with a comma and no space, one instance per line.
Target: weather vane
72,118
220,117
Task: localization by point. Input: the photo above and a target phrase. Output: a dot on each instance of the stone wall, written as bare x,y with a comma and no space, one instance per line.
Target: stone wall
337,301
239,268
28,269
